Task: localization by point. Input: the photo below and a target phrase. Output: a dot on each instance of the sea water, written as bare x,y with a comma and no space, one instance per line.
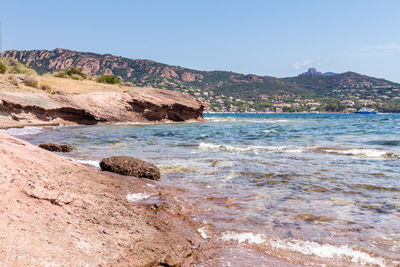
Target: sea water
306,188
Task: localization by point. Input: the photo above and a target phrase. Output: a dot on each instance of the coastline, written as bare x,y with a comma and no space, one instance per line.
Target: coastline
215,245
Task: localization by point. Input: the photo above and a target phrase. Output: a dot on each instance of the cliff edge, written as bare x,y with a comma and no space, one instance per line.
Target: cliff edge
135,105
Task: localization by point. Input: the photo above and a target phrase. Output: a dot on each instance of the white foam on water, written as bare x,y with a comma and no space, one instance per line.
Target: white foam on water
251,120
208,146
151,185
219,119
248,237
253,149
136,196
203,233
307,248
328,251
355,152
274,121
364,152
93,163
24,131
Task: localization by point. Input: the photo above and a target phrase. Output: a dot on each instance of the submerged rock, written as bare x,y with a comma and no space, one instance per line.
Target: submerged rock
130,166
57,148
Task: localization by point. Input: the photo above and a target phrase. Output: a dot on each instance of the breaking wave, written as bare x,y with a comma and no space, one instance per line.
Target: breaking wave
24,131
356,152
360,152
307,248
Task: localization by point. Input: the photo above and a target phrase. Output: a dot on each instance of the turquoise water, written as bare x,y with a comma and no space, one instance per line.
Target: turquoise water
315,187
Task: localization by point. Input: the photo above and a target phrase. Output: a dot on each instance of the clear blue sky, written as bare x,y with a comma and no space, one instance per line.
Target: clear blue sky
278,38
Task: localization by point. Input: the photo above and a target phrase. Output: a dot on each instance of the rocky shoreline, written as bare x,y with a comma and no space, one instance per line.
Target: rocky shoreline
20,109
60,213
64,213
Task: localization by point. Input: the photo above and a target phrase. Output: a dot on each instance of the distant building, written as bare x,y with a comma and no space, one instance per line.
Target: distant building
347,102
366,102
313,104
281,105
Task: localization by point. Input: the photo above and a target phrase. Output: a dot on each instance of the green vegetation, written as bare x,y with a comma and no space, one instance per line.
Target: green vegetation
3,67
109,79
11,65
60,74
73,73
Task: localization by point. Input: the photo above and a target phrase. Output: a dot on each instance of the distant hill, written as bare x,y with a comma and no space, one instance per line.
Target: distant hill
224,90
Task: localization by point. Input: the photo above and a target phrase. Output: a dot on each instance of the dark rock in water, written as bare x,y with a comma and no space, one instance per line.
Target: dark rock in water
57,148
130,166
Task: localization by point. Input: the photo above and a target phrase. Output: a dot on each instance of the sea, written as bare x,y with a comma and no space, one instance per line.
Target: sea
277,189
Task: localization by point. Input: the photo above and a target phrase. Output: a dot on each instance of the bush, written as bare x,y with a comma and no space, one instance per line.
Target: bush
3,67
76,77
60,74
32,81
73,72
45,85
109,79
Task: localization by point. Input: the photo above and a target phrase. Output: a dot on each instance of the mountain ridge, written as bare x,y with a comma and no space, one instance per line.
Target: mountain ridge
254,91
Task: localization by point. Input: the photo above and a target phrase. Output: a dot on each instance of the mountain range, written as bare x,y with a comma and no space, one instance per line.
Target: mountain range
223,89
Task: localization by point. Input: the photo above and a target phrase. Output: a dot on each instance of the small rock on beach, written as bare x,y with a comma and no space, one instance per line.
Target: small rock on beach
130,166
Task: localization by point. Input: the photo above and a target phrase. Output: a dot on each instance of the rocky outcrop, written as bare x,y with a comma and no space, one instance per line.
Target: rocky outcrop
95,64
138,105
191,77
310,72
57,148
130,166
54,212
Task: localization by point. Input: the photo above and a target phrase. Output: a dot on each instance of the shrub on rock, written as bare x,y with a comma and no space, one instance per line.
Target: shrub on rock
32,81
109,79
57,148
130,166
3,67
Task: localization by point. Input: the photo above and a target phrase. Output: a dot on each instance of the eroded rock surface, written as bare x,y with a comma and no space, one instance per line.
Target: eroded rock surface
130,166
137,105
54,212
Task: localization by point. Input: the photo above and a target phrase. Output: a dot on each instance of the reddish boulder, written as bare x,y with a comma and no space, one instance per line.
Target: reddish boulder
130,166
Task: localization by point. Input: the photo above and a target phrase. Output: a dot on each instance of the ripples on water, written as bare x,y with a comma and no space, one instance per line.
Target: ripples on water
294,185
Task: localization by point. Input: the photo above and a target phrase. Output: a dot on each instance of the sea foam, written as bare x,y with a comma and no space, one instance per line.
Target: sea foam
354,152
136,196
364,152
93,163
24,131
306,247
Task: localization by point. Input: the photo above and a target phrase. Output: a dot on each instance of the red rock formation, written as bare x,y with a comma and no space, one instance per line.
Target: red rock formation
54,212
191,77
139,105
